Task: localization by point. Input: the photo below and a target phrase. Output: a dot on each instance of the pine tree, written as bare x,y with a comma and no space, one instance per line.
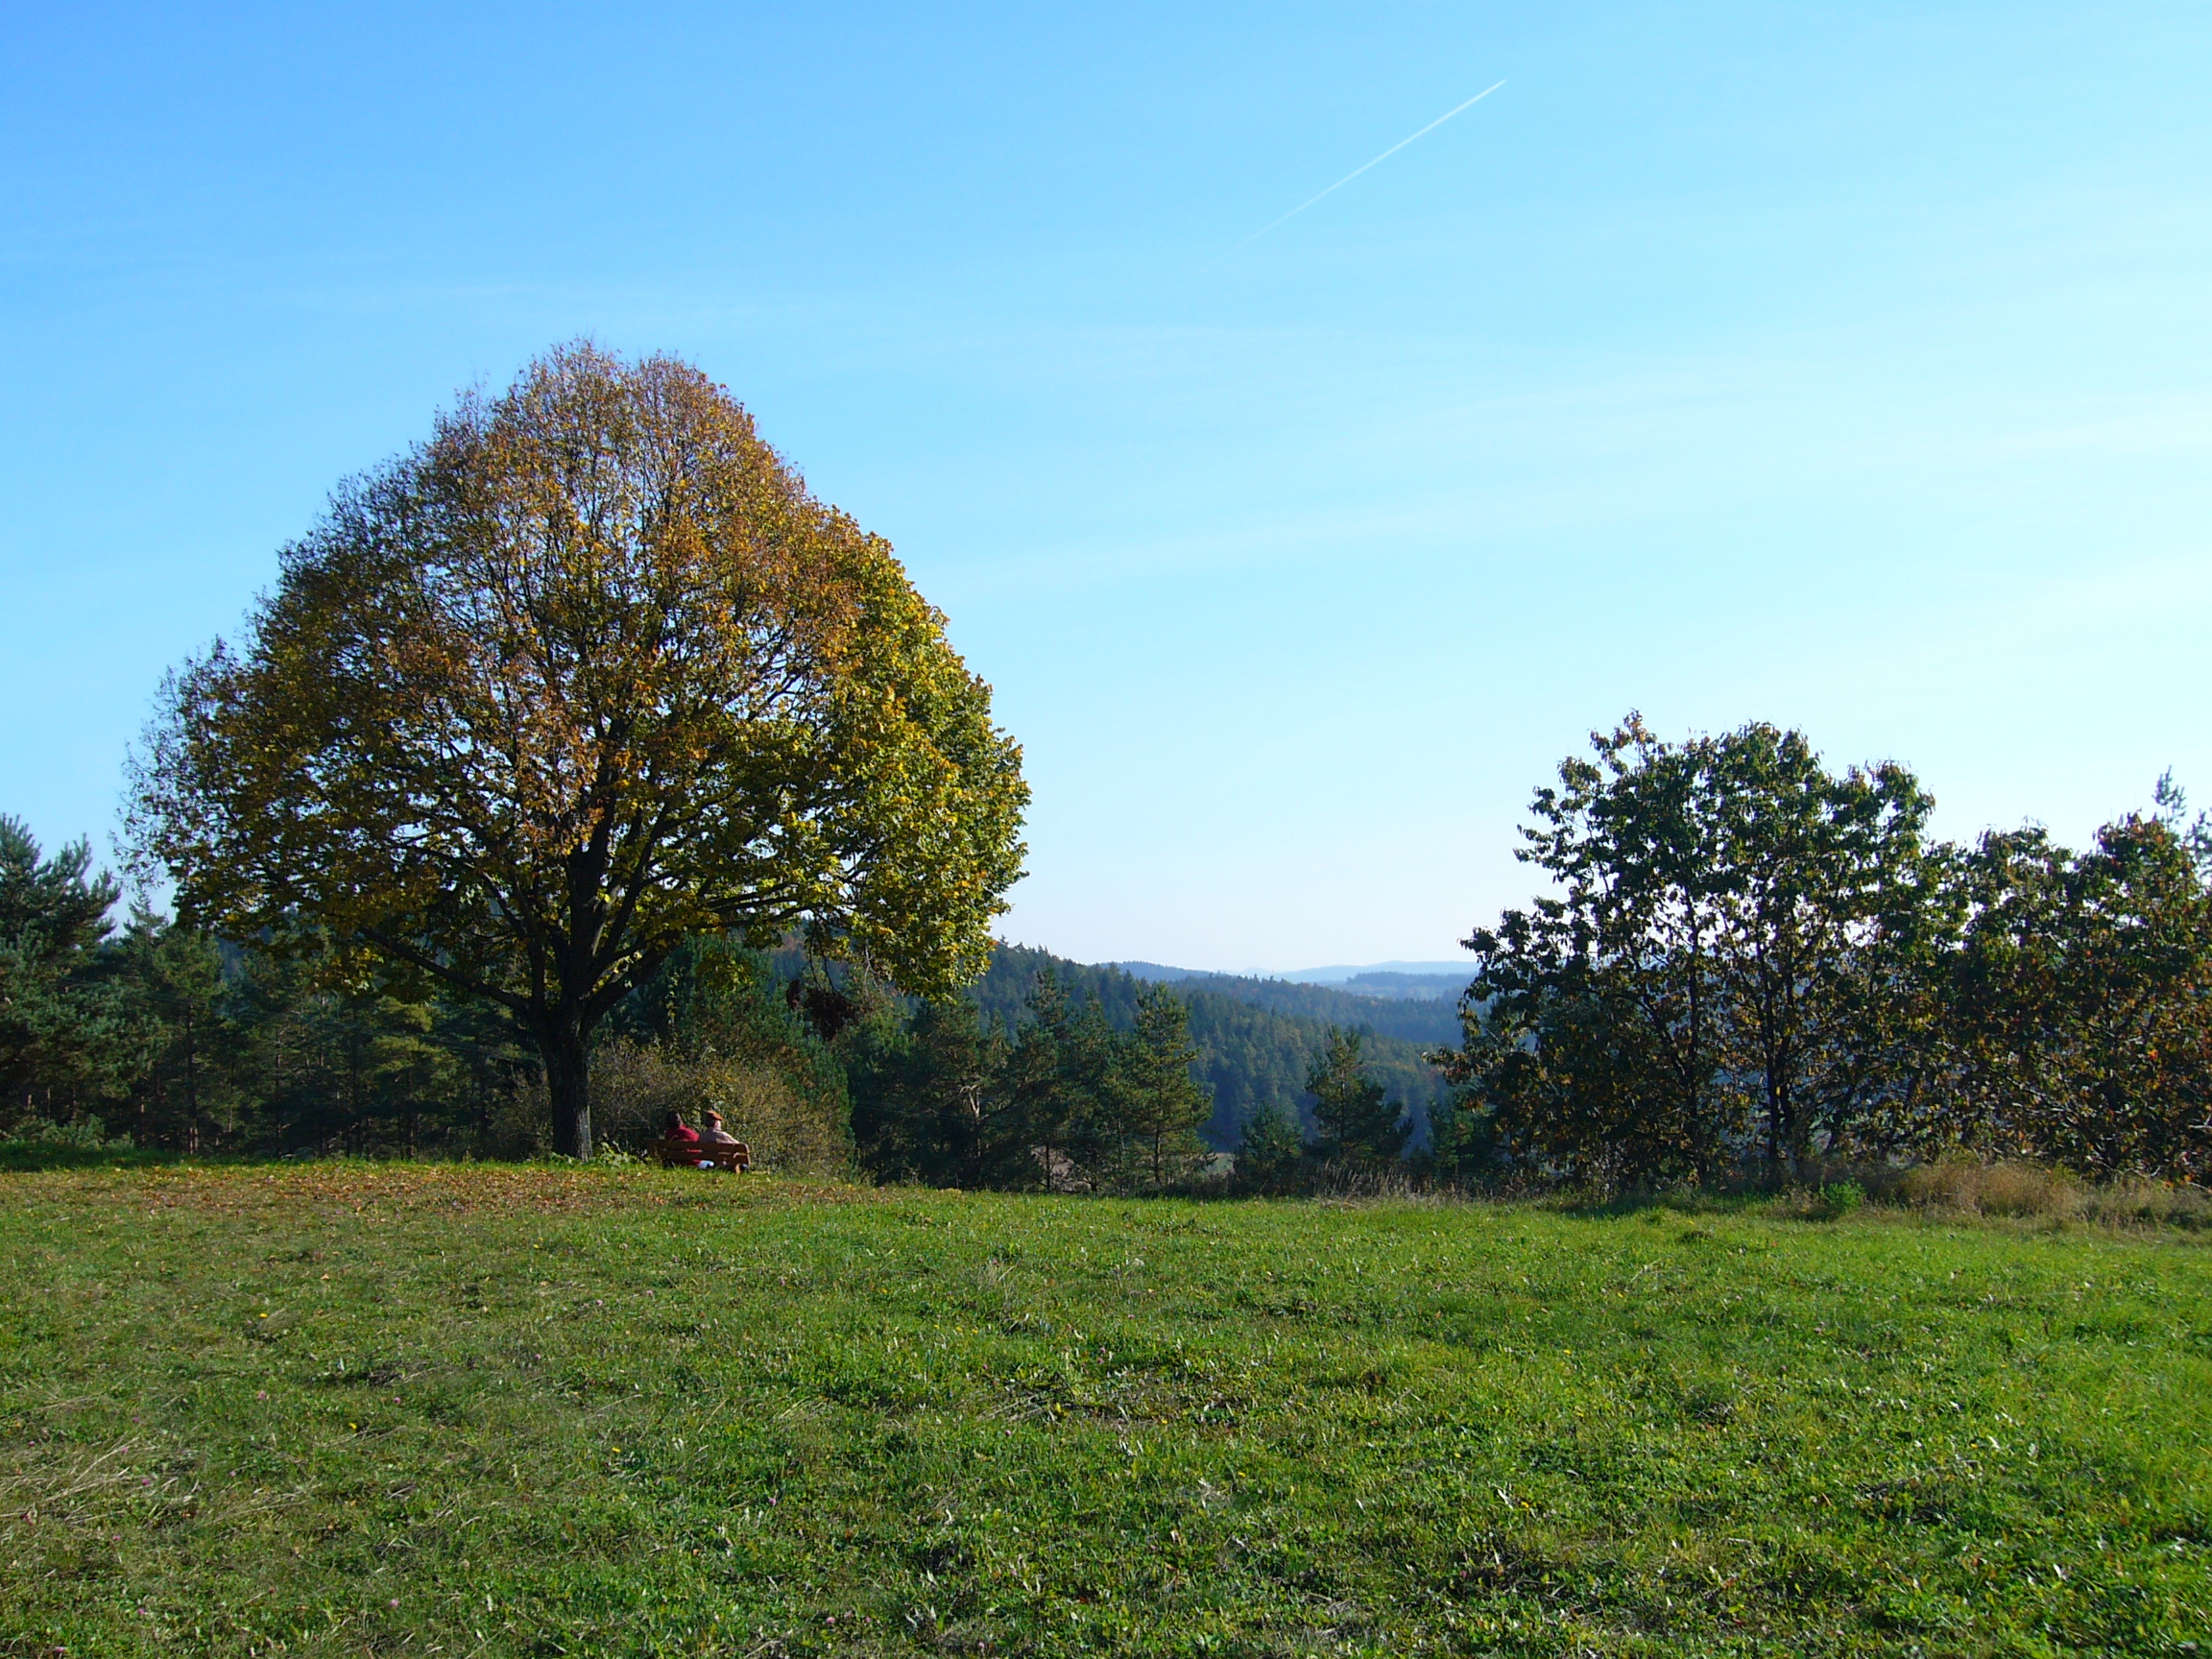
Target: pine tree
1356,1119
53,919
1273,1147
1161,1106
937,1109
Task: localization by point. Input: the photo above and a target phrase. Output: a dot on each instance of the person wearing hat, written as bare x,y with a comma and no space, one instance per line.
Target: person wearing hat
711,1132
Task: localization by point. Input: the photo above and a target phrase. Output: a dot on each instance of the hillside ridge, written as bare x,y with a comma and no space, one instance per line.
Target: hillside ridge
1255,1038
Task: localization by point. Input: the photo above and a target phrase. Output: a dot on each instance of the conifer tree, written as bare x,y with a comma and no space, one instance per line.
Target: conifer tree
53,919
1161,1106
1356,1116
1272,1149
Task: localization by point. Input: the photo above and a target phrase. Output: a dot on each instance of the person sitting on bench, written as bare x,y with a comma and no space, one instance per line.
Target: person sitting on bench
676,1129
710,1130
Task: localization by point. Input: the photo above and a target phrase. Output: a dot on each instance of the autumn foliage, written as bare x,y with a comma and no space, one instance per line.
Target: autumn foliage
586,673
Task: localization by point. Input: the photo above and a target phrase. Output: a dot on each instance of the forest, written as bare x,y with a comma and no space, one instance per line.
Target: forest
1745,966
1377,1003
540,799
164,1035
1257,1039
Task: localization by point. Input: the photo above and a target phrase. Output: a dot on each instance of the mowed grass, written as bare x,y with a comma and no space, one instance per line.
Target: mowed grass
481,1411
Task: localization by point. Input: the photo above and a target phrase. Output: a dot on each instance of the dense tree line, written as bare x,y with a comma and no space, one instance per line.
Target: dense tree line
1422,1020
1055,1099
1053,1075
1743,960
1251,1053
172,1037
1748,959
175,1038
1358,1124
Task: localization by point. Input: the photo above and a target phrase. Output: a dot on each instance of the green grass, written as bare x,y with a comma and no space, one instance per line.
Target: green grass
476,1411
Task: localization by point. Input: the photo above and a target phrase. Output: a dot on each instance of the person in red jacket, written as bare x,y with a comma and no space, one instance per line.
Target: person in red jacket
676,1129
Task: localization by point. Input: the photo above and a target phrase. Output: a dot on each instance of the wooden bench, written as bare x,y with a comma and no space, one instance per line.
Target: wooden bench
690,1154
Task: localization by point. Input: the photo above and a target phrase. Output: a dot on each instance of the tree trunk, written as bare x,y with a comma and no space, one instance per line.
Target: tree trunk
561,1043
1774,1111
192,1087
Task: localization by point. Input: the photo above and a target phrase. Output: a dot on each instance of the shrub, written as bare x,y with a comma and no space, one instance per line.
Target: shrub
2160,1203
80,1135
1841,1197
2006,1189
635,1087
1271,1156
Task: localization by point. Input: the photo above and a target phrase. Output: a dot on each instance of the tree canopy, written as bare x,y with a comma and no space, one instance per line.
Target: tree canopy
1747,956
588,672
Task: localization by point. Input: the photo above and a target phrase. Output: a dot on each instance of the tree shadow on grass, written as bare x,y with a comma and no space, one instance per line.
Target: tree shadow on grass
1590,1207
29,1157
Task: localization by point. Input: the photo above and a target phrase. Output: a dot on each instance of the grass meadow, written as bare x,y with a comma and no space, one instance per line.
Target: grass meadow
342,1409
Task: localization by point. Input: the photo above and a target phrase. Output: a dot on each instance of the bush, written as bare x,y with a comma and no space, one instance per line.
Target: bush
521,1127
635,1087
1841,1197
81,1143
1271,1156
78,1135
2160,1203
2008,1189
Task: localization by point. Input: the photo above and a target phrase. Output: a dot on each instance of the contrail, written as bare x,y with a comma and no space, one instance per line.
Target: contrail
1347,178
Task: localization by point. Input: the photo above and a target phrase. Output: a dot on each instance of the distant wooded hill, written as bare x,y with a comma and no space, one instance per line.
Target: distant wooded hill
1427,1022
1421,982
1255,1038
1419,986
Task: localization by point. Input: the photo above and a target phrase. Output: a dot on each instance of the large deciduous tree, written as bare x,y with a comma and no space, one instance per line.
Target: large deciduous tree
1733,949
1594,1032
585,673
1822,882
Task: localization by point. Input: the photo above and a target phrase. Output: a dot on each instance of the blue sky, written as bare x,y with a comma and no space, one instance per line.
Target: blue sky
1847,367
